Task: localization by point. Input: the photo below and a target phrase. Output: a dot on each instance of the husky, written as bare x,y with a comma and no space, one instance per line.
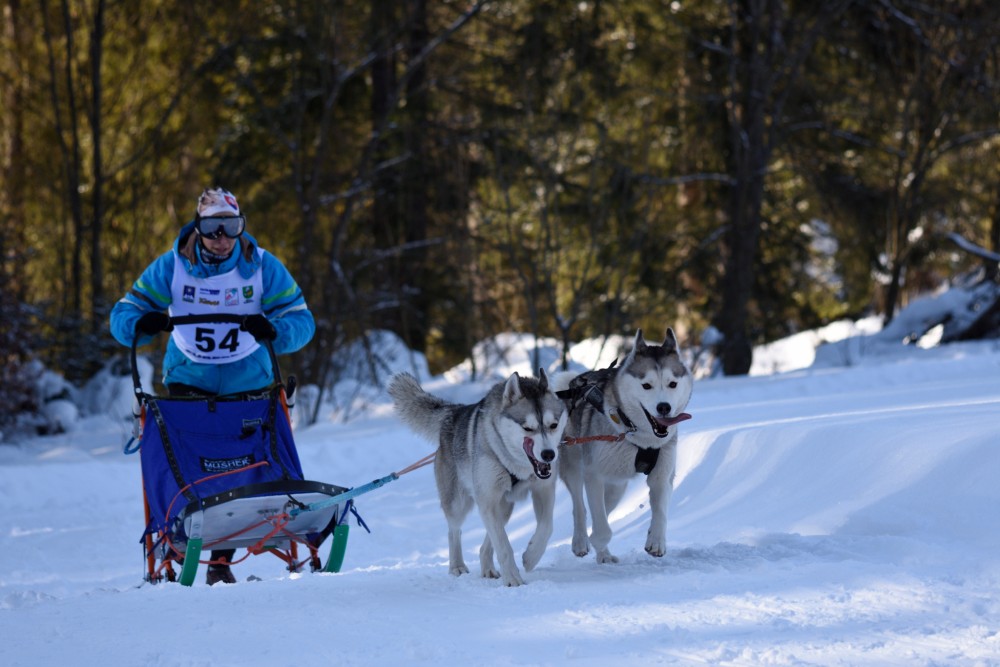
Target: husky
491,454
623,423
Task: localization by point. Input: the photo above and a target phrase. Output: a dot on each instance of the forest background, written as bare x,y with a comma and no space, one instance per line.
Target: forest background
450,170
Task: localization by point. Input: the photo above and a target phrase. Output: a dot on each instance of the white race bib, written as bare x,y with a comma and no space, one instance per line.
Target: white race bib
225,294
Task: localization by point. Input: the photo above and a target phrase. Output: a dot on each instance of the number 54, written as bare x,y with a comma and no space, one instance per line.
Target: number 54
205,339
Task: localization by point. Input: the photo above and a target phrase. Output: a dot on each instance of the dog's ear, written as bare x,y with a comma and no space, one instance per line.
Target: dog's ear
512,390
670,340
637,345
543,380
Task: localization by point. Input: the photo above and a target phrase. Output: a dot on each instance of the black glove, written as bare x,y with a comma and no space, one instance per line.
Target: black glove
154,322
259,327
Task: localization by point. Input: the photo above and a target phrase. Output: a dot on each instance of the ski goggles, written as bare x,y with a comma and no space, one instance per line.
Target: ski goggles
213,227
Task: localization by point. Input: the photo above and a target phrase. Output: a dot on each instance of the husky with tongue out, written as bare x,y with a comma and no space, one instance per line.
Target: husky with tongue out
623,422
491,454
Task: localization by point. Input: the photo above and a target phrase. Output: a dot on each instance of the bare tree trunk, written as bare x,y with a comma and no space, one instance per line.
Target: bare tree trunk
415,183
98,308
764,71
70,151
756,26
12,162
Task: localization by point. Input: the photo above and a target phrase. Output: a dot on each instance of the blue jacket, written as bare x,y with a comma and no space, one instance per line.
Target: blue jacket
283,303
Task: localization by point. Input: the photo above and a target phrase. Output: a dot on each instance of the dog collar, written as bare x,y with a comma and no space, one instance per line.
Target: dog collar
621,419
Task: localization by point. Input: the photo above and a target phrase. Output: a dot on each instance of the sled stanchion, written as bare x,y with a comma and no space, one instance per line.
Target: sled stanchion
148,540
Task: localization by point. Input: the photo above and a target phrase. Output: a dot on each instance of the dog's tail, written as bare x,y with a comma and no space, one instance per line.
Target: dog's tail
423,412
560,380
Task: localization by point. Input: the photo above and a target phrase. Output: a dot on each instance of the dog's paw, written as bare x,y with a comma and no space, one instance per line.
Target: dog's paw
606,556
656,546
513,580
581,547
490,572
458,570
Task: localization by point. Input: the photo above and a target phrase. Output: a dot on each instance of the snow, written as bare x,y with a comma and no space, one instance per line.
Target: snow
828,515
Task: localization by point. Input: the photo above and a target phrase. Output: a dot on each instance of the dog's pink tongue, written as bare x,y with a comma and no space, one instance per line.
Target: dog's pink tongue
542,470
682,417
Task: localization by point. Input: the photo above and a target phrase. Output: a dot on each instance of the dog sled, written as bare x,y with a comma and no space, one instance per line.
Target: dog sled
222,472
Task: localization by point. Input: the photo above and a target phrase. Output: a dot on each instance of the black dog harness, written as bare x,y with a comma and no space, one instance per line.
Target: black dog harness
585,387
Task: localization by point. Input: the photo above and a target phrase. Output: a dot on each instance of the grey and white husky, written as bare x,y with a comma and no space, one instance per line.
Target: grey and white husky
623,423
491,454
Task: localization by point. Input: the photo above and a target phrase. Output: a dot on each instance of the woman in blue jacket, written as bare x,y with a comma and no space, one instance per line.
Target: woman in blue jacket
215,267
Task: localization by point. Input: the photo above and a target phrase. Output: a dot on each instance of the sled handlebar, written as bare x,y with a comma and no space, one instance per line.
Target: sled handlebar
220,318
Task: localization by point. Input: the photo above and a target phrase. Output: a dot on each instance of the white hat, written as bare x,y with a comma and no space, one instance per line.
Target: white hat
216,201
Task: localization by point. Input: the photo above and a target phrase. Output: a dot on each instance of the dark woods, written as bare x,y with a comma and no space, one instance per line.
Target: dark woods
450,170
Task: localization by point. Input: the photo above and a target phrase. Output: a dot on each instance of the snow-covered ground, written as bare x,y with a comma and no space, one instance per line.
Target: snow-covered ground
822,516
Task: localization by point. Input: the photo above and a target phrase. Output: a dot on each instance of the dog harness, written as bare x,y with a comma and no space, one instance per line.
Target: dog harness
589,391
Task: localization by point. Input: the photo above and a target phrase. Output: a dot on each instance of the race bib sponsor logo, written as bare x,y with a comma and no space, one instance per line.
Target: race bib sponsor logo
189,293
248,294
208,296
232,297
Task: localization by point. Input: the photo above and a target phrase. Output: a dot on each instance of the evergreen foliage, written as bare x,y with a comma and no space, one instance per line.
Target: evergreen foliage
449,170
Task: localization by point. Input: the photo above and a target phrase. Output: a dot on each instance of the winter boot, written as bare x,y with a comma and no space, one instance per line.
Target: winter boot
219,573
219,570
